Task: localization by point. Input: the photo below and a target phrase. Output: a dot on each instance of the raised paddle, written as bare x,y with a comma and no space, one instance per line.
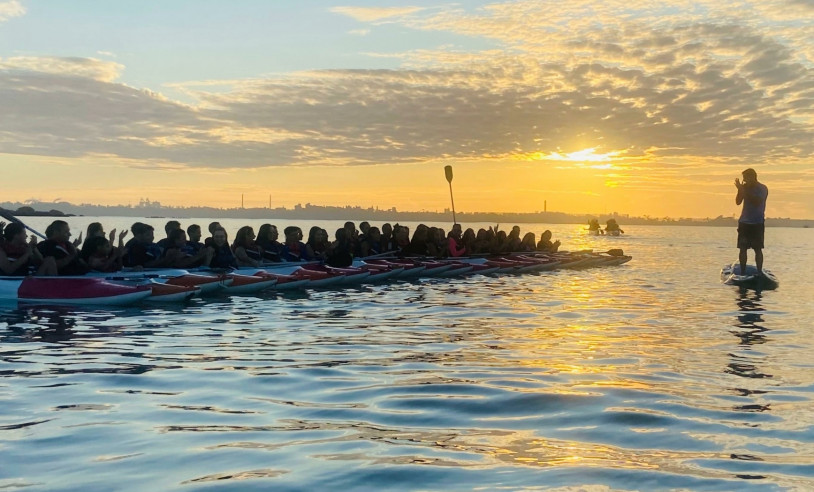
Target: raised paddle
448,173
6,214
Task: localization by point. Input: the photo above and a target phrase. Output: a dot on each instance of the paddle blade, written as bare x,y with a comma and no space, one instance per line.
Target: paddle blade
448,172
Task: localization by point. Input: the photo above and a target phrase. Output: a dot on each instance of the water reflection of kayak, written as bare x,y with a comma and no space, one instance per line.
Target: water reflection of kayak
731,275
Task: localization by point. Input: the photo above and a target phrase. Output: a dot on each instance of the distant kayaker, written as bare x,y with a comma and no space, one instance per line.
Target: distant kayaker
753,195
612,228
594,227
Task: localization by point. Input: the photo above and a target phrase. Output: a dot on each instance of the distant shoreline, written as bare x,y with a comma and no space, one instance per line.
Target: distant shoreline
311,212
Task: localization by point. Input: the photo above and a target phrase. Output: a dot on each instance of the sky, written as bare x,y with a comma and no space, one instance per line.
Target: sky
636,107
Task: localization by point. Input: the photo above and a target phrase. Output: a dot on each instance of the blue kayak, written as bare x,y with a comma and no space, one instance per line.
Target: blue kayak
731,275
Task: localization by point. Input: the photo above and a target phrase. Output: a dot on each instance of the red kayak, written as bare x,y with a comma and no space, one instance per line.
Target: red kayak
71,290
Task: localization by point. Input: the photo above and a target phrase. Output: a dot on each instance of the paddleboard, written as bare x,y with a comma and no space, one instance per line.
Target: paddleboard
731,275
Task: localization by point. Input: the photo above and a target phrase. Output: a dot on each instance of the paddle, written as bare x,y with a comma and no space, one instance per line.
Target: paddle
6,214
448,173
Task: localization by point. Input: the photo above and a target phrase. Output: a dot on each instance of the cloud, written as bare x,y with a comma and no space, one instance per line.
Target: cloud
10,9
373,14
92,68
678,84
359,32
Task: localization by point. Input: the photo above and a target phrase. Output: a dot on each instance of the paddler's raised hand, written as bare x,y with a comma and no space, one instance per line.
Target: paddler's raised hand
738,184
33,250
122,235
111,236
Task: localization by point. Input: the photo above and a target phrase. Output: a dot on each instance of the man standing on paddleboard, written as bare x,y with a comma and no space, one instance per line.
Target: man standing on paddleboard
751,223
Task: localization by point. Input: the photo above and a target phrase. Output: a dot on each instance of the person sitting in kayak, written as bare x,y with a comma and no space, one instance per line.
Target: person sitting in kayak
59,246
364,230
401,239
594,227
418,243
386,241
294,249
100,256
95,229
513,241
501,242
178,255
194,244
213,226
545,245
468,241
455,246
142,252
439,240
19,257
341,253
318,244
170,226
246,251
222,256
528,243
372,245
353,236
267,237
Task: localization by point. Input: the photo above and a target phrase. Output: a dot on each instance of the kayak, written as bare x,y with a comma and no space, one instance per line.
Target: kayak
731,275
71,291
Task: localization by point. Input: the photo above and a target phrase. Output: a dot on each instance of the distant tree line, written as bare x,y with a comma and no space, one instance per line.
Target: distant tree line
146,208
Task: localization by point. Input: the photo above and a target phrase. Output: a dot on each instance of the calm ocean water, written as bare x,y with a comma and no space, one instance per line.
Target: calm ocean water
647,376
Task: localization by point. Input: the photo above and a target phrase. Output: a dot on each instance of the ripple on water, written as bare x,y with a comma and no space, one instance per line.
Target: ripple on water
641,377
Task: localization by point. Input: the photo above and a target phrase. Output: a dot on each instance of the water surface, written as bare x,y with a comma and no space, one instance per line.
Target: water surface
647,376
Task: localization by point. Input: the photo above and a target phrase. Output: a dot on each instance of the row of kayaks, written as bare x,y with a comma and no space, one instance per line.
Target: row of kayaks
170,285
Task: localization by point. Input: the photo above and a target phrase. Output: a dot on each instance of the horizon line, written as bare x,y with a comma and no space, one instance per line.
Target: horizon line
392,210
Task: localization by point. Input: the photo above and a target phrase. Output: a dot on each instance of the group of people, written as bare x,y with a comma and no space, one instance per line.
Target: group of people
184,248
611,228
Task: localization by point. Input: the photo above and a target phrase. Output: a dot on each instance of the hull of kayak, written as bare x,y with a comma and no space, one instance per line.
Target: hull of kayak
70,291
249,284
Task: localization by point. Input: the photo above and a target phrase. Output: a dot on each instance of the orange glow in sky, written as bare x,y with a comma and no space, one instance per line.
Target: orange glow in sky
570,104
